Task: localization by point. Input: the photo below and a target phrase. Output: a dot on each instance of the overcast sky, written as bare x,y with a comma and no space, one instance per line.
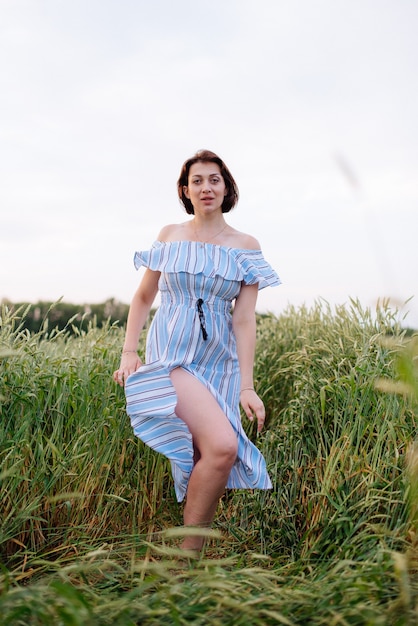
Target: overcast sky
311,103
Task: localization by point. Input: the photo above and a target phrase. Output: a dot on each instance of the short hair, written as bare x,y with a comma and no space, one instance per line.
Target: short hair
206,156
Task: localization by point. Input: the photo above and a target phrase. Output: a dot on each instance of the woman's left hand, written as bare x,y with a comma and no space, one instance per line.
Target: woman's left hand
253,407
129,363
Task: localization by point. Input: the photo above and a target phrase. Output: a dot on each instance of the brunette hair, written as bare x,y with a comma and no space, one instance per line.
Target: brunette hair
206,156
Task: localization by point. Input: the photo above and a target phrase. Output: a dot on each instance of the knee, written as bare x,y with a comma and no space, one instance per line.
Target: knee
226,453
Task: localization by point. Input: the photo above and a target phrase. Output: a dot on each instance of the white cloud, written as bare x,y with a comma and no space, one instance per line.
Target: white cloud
103,101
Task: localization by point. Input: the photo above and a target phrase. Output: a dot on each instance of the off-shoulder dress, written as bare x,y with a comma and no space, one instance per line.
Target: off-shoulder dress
192,328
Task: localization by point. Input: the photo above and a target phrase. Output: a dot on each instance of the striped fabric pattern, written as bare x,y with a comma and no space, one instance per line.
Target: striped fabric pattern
191,271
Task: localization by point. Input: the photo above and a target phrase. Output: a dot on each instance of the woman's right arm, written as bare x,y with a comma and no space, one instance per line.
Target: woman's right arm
137,317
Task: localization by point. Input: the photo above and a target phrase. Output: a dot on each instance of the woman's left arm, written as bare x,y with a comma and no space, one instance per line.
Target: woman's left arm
244,326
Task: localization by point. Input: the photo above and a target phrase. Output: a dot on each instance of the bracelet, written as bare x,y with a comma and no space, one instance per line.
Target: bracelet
247,389
127,351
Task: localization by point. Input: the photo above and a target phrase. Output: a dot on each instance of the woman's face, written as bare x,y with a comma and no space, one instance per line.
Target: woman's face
206,188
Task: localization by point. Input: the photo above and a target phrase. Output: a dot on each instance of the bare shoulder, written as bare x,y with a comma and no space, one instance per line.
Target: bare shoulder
243,240
172,232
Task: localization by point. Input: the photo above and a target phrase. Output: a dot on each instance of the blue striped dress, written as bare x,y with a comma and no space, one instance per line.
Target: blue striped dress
192,328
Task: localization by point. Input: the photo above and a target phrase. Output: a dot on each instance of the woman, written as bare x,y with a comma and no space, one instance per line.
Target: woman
184,402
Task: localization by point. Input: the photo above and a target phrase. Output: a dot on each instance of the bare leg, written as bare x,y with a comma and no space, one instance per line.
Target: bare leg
215,444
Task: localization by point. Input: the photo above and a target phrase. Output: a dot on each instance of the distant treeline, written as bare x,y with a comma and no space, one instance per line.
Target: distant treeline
79,317
61,315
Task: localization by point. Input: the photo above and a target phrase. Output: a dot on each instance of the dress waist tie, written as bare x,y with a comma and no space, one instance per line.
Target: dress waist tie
202,319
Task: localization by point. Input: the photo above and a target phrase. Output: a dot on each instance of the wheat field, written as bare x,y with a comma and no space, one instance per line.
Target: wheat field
89,525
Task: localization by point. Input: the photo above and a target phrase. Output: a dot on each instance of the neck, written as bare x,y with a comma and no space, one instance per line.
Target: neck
205,230
209,222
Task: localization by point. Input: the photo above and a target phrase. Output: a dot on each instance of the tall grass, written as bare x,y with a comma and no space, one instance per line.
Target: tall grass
70,464
86,508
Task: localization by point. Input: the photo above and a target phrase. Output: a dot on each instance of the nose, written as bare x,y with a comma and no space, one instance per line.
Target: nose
206,186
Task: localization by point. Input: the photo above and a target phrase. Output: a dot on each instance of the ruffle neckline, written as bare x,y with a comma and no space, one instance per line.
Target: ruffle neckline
209,259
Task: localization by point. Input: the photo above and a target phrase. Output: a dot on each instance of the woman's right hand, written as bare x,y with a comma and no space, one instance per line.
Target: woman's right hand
129,363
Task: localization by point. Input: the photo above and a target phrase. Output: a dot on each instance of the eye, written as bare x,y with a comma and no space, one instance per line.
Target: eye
215,179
